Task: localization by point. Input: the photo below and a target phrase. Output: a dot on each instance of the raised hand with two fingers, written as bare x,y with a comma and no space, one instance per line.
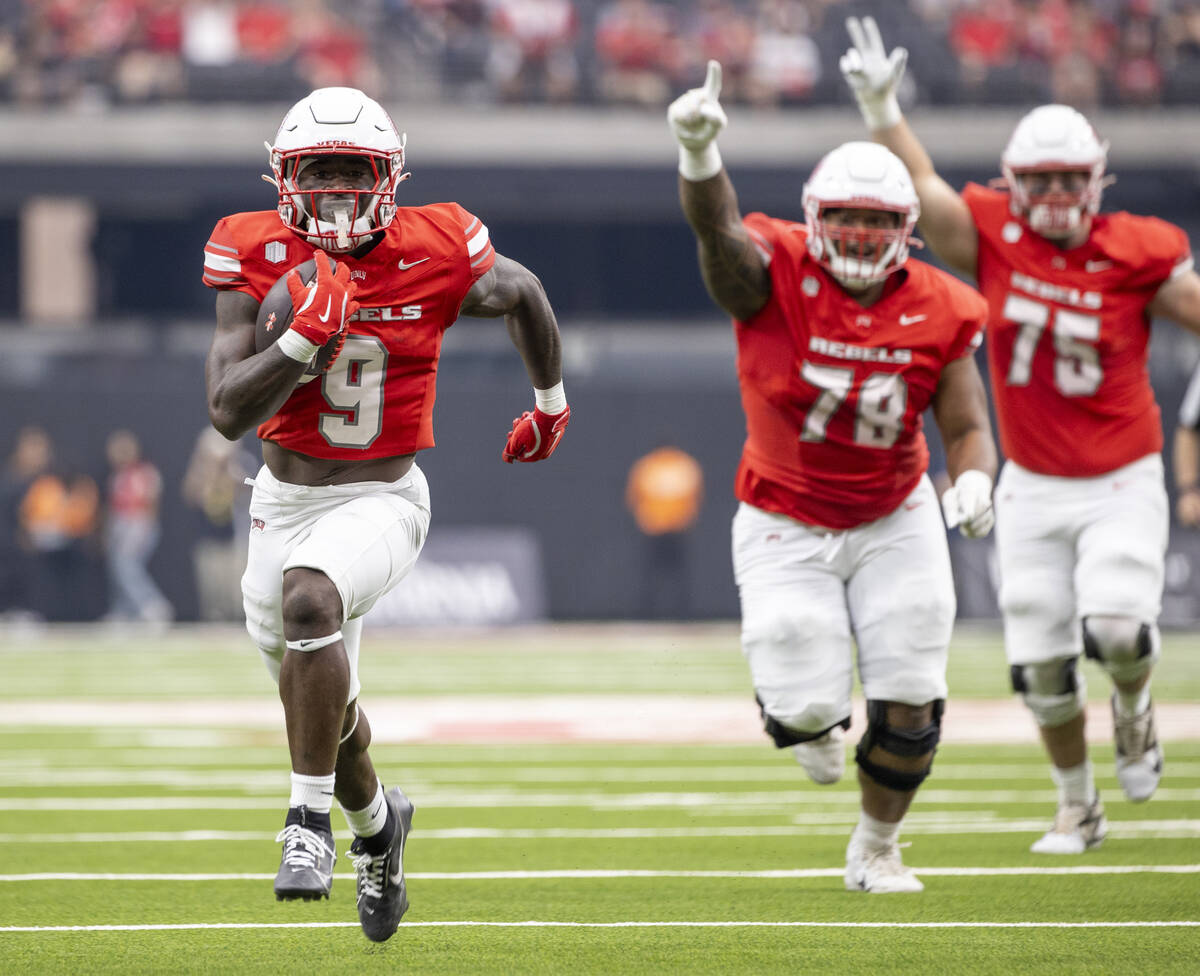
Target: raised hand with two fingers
872,74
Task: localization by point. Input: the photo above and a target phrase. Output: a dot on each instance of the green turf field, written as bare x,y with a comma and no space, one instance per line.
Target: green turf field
149,848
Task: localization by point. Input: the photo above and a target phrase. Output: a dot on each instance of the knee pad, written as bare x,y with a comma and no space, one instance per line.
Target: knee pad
1053,690
783,736
899,742
1124,646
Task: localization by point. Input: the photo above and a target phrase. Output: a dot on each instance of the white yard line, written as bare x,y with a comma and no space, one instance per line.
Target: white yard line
1181,923
584,874
983,825
709,803
562,718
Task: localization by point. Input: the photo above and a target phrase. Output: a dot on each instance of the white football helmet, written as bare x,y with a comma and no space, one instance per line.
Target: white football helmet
1054,138
341,122
868,176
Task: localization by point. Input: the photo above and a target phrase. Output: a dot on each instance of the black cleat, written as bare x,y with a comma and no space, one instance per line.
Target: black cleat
306,869
382,897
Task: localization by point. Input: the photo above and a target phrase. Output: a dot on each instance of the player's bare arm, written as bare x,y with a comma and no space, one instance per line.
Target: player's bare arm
732,268
1179,300
873,77
244,388
960,410
733,272
512,290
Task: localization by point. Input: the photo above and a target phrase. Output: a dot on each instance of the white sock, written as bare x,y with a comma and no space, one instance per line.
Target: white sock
314,792
876,834
370,820
1131,703
1075,785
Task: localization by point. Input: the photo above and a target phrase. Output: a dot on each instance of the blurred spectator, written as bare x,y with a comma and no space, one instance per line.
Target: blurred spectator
1139,79
533,50
1182,30
785,63
724,31
638,52
57,520
214,485
332,50
664,492
95,52
132,532
31,457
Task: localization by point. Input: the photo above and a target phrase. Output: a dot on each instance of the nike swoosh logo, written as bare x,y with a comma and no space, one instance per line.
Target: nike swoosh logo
404,266
302,644
912,319
909,506
1096,265
328,305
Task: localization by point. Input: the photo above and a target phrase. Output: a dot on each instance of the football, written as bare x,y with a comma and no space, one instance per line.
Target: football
275,315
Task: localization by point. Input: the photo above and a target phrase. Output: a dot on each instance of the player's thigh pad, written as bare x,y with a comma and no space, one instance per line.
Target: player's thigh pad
1037,523
795,628
364,537
366,545
1123,545
901,599
1070,547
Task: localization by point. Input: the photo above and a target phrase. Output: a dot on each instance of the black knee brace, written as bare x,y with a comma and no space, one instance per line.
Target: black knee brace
899,742
783,737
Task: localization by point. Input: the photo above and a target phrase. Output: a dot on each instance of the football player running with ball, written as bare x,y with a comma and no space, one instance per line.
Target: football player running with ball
1081,510
340,510
843,341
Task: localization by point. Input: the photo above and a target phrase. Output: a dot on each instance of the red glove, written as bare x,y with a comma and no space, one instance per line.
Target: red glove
324,305
535,435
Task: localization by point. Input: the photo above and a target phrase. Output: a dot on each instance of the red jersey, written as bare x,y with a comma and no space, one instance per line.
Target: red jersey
1069,336
377,399
834,392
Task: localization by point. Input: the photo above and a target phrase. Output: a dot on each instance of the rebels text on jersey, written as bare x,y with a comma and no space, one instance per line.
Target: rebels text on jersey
1069,336
377,398
834,392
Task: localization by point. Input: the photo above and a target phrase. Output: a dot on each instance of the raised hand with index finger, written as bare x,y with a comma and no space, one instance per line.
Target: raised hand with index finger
695,118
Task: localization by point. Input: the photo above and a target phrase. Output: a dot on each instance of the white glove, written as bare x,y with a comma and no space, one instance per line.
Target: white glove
695,118
872,74
967,504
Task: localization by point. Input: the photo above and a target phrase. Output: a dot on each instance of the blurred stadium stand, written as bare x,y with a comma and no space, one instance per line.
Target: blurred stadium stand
1087,52
106,201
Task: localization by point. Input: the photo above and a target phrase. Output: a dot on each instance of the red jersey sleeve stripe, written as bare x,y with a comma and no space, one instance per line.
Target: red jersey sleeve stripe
221,262
478,242
1183,267
487,254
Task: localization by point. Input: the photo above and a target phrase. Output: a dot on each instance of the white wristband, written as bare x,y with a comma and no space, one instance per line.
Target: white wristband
551,401
696,166
293,345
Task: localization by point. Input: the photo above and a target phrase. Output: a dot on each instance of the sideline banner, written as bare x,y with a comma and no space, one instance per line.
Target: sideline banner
470,575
